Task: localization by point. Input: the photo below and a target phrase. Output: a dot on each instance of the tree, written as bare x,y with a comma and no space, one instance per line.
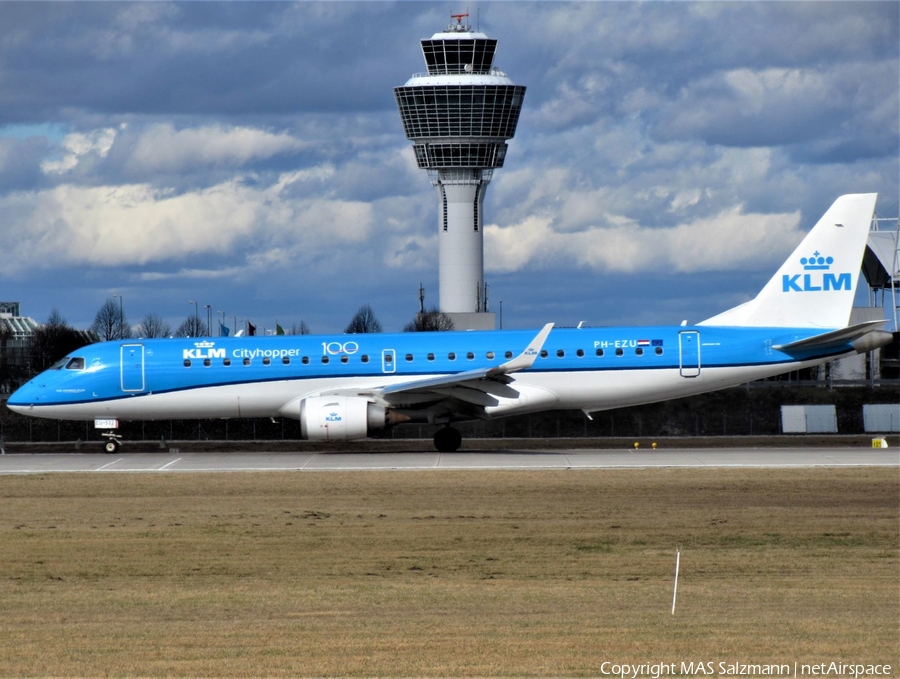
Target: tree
110,323
53,340
153,326
364,321
429,321
192,327
302,329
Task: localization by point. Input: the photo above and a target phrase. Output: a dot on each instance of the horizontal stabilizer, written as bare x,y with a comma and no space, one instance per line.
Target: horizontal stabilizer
835,338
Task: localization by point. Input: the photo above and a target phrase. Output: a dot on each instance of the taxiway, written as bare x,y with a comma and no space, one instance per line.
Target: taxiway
174,462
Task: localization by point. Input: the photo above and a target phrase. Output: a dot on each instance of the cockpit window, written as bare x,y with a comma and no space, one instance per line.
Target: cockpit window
76,363
60,364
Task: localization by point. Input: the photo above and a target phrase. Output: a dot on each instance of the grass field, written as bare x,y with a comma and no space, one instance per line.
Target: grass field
445,573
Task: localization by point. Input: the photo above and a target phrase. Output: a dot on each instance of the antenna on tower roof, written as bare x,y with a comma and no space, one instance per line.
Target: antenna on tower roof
459,26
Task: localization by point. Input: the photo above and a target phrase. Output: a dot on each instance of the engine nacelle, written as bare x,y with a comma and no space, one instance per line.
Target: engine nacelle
340,418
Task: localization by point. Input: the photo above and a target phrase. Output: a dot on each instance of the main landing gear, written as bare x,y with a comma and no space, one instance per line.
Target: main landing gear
447,440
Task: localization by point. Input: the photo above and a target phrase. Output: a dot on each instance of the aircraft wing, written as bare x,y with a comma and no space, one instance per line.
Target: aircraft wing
835,338
479,387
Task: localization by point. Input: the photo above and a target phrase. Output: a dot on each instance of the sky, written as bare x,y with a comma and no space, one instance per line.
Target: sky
250,156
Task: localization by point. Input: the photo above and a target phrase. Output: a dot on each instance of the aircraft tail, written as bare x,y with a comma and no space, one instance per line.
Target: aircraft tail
815,287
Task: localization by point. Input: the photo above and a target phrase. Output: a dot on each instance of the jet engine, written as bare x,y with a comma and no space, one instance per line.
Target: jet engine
342,418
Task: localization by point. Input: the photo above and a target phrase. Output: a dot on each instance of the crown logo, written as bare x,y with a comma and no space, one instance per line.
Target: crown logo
817,262
204,345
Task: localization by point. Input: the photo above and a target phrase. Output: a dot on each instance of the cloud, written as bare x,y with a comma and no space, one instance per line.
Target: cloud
163,148
138,224
732,239
79,145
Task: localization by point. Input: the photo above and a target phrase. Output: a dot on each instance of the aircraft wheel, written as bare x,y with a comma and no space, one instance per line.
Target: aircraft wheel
111,446
447,440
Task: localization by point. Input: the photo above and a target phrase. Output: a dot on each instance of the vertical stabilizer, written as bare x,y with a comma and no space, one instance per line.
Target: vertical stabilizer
815,287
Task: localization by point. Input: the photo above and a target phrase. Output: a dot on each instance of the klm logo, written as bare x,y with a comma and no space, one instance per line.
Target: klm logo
819,278
333,417
204,350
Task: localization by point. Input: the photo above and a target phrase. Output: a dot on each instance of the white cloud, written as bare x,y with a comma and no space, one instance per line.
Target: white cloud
731,239
77,146
162,147
137,224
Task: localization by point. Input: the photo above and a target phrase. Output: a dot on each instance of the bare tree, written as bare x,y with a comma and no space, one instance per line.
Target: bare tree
192,327
364,321
110,323
302,329
429,321
53,340
154,326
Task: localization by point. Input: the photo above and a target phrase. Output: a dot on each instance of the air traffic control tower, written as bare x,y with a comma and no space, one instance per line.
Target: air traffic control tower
459,116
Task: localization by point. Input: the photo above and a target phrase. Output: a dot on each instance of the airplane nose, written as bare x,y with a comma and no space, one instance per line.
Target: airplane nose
20,401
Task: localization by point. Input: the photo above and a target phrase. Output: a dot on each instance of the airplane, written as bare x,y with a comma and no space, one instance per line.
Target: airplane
348,387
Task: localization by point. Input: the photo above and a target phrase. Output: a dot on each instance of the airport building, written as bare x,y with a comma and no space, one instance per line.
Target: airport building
459,116
16,332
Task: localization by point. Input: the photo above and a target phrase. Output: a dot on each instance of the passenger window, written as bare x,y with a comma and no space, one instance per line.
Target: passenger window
579,353
470,356
599,352
187,363
286,360
451,356
430,357
620,352
561,353
409,358
639,351
267,360
659,351
305,360
364,358
325,360
76,363
345,358
490,355
207,362
226,362
543,353
388,358
508,354
246,361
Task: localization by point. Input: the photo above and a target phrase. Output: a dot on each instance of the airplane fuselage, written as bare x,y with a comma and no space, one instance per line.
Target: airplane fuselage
586,368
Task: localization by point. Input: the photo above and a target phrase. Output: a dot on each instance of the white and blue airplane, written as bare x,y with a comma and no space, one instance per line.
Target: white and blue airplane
345,387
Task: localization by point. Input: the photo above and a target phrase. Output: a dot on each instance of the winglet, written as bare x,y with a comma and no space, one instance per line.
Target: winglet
526,359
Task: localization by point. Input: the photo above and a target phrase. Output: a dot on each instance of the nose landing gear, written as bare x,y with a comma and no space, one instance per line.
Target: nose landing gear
113,442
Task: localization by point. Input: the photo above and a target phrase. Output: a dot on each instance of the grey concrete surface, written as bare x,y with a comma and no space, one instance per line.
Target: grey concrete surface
171,461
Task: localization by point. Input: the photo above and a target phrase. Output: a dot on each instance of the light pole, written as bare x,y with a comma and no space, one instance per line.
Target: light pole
208,319
501,314
234,318
222,322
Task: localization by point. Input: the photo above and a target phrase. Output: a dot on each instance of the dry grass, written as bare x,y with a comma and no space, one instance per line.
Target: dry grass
445,573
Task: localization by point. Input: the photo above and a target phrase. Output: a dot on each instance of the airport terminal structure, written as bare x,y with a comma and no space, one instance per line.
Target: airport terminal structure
459,116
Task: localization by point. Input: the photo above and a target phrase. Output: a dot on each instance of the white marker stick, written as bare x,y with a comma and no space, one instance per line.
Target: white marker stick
675,590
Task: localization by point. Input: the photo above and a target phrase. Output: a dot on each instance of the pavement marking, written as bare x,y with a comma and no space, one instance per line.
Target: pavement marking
166,466
109,464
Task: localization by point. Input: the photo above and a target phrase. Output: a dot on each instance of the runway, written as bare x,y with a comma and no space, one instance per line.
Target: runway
175,462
